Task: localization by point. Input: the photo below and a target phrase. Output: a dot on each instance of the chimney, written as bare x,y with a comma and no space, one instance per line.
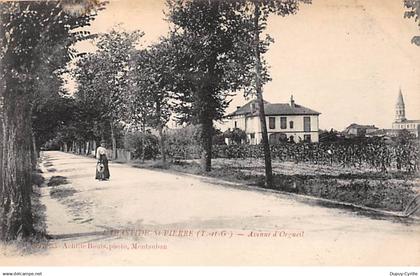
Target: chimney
292,101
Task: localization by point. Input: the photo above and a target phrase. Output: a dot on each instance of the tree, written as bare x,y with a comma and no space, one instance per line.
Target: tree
259,11
212,61
404,136
413,11
50,117
47,99
92,103
30,34
102,79
139,101
150,89
116,49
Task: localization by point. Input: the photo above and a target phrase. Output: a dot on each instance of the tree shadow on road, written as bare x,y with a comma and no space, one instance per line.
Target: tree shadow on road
57,180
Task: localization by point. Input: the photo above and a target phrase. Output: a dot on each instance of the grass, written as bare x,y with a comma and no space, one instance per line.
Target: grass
38,215
38,242
385,194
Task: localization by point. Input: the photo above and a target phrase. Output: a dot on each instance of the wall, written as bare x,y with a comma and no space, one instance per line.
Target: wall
240,120
252,125
298,127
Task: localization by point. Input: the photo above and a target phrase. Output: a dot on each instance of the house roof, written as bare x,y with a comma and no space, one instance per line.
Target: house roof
273,109
408,121
287,109
361,126
380,132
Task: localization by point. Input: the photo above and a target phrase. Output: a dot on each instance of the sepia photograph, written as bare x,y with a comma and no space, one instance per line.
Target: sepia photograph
210,133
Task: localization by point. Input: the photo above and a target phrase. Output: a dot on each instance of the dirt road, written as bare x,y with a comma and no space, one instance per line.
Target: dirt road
149,217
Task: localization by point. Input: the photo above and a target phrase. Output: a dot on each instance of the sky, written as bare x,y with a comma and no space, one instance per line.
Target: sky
344,58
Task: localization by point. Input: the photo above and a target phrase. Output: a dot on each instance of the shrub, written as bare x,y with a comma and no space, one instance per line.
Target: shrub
236,135
183,142
218,137
134,143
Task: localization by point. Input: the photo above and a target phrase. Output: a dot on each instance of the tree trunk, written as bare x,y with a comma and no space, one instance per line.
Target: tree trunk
16,167
1,147
78,148
161,135
87,151
162,144
143,142
94,147
260,100
208,106
206,140
113,141
34,156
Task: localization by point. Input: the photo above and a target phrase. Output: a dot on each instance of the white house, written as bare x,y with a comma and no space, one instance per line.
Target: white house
284,121
359,130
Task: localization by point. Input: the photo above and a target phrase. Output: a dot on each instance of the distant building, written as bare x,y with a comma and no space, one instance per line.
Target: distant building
387,133
401,122
356,130
284,121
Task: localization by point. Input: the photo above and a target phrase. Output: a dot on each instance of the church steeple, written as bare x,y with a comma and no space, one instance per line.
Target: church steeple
400,108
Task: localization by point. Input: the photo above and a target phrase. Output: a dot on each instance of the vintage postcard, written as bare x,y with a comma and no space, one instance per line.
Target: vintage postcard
210,133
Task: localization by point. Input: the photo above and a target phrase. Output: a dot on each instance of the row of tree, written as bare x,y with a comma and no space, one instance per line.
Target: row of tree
215,49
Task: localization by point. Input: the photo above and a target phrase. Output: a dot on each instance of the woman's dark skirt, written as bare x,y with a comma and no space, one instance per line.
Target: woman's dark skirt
102,170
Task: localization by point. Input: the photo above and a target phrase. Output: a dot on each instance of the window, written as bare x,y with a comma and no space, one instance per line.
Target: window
236,124
306,123
252,135
291,124
307,138
283,122
271,122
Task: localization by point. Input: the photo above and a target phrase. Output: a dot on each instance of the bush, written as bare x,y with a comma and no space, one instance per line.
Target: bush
236,135
183,142
218,137
134,143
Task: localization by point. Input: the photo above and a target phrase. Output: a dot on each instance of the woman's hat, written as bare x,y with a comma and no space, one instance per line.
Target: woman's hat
102,141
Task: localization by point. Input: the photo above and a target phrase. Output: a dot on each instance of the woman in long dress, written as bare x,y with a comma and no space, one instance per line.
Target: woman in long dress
102,170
